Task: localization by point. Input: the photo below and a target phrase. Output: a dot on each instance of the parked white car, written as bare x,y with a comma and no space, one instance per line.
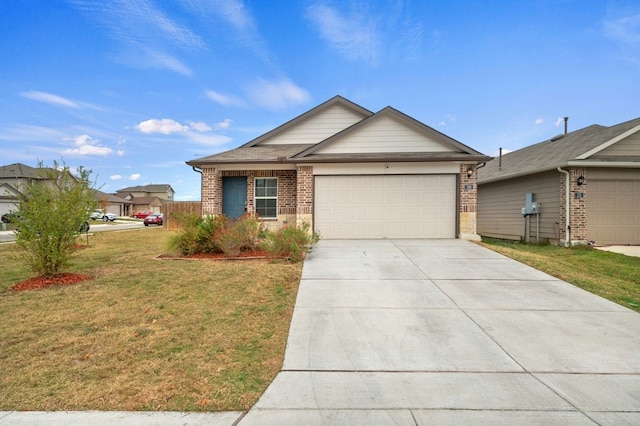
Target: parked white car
105,216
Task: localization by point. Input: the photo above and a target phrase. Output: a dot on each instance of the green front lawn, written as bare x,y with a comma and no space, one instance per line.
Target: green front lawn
613,276
144,334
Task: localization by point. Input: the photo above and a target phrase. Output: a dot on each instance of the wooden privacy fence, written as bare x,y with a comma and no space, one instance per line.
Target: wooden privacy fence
171,208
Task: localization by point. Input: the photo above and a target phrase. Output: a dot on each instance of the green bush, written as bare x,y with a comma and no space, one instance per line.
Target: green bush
53,210
290,241
218,234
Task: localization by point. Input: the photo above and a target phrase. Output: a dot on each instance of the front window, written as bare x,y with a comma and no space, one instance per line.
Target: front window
266,194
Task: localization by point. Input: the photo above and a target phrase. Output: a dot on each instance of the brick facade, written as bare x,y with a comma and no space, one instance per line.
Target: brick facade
468,190
578,196
295,195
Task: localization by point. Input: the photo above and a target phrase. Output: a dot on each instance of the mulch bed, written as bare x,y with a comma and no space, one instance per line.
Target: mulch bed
244,255
44,281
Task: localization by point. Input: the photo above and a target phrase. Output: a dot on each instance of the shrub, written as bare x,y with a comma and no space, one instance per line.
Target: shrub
53,210
197,235
290,241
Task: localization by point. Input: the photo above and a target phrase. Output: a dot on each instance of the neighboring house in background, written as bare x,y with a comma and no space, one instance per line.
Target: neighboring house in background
350,173
146,197
112,203
598,167
13,178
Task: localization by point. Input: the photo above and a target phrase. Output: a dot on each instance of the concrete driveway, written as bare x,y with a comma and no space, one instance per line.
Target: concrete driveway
447,332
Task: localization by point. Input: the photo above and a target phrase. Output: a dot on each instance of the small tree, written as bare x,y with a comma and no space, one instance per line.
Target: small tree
52,212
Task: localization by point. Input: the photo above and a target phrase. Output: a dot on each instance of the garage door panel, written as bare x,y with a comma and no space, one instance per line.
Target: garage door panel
613,208
385,206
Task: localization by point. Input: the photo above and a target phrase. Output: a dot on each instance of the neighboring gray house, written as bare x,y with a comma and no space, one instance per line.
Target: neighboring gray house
598,167
350,173
13,178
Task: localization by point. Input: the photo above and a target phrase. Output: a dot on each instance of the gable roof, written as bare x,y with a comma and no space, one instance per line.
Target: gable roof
19,170
264,150
335,101
314,152
147,188
577,148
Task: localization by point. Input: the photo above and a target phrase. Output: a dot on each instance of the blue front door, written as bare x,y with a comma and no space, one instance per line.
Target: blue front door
234,196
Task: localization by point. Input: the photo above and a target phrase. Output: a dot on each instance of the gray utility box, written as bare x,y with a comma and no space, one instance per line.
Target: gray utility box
530,205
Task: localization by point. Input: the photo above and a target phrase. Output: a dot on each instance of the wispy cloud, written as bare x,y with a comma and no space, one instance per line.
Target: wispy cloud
365,34
625,29
223,99
538,121
144,31
115,177
50,98
276,95
353,35
135,176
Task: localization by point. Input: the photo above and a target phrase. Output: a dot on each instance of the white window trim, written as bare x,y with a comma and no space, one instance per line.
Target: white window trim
255,197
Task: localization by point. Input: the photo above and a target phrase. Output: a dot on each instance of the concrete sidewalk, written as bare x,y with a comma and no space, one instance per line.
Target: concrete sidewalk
447,332
417,332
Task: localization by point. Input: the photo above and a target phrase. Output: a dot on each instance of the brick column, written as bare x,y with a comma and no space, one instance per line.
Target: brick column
468,189
211,191
304,194
578,206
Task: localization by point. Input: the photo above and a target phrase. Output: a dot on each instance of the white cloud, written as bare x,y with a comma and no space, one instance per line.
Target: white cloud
504,151
354,36
539,121
50,98
225,100
277,94
224,124
135,176
115,177
86,145
559,121
165,126
199,126
120,153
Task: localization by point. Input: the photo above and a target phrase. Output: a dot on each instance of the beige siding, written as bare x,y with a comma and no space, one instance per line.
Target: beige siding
500,204
317,128
613,203
628,147
384,135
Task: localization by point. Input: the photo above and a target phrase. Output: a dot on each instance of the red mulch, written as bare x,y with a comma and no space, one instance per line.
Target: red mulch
44,281
254,254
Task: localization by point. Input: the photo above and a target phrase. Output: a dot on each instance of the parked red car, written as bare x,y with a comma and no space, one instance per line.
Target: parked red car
153,219
142,214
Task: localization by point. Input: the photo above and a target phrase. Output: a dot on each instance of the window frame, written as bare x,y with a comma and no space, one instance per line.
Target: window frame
265,197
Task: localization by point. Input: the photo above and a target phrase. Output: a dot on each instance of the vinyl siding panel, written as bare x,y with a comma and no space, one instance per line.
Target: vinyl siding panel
384,135
628,147
613,203
317,128
500,204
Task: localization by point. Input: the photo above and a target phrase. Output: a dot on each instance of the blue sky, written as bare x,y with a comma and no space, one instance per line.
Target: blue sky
132,89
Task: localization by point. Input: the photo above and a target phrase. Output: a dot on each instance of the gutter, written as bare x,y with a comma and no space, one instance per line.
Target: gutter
567,224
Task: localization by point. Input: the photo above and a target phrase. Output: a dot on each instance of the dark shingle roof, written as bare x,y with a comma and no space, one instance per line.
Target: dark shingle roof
146,188
253,154
19,170
552,153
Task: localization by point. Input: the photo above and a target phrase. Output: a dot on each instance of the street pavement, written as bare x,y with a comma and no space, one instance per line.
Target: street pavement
421,332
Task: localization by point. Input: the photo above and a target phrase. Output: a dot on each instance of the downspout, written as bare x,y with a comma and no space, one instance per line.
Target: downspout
195,169
567,224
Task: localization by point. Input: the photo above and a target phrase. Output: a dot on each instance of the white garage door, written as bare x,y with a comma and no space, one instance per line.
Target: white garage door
613,207
385,206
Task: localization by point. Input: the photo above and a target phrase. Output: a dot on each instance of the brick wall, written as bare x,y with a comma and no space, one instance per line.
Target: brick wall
305,195
468,189
287,190
577,205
